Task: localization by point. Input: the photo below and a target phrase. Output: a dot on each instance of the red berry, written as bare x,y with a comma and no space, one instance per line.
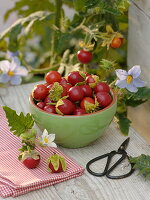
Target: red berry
40,92
51,167
84,56
87,90
66,108
102,87
76,93
79,111
67,86
47,100
40,104
86,99
31,162
52,76
116,42
104,99
63,81
74,78
50,108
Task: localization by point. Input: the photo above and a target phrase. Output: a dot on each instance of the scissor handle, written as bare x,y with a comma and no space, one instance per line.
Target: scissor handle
108,155
124,155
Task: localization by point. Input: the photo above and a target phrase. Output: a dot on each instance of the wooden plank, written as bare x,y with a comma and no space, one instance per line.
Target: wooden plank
87,187
143,5
139,41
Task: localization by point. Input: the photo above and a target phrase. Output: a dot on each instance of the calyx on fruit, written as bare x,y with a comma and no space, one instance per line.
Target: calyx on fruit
28,154
56,164
96,79
55,92
90,107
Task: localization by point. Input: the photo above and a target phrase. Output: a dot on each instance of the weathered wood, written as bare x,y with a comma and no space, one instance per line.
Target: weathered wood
87,187
139,37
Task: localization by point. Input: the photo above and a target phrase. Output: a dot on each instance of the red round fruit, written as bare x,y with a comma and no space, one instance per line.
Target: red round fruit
60,169
66,108
74,78
86,99
116,43
40,104
63,81
52,76
87,90
102,87
67,86
84,56
79,111
47,100
49,109
40,92
76,93
104,99
90,79
31,162
65,91
49,87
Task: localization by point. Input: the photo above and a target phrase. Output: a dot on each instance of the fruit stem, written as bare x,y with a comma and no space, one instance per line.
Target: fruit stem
57,24
84,67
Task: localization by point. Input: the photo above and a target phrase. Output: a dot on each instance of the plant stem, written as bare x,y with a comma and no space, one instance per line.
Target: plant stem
57,24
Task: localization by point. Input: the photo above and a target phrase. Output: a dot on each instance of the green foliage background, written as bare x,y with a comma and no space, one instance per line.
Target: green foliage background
44,31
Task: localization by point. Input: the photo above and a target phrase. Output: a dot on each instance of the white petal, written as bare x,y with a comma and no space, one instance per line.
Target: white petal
135,71
45,133
5,66
131,88
15,80
138,83
121,83
4,78
21,71
52,144
51,137
121,74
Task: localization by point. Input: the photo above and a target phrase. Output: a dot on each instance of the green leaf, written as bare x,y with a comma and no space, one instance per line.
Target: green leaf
80,5
142,163
143,93
18,123
124,123
139,97
19,24
32,6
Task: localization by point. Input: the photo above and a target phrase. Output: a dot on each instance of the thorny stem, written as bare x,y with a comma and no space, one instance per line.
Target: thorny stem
57,24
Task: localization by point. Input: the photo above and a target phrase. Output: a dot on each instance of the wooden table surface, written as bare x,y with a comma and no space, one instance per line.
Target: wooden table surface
87,187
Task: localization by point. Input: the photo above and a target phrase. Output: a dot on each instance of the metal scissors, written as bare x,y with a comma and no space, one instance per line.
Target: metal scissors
107,171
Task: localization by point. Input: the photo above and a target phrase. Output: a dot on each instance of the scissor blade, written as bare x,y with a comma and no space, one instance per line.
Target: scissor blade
124,145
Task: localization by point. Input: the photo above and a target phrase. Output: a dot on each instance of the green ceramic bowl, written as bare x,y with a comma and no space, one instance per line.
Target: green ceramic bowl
74,131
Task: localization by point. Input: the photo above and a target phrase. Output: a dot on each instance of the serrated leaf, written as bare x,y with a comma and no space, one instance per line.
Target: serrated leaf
124,123
142,163
18,123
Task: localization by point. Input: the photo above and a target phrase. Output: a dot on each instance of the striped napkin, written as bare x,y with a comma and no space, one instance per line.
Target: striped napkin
15,178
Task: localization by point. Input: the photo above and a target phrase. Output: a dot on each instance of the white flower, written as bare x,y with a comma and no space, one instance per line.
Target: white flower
129,80
12,71
48,139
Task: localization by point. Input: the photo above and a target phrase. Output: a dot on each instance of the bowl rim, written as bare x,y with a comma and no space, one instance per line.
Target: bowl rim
87,114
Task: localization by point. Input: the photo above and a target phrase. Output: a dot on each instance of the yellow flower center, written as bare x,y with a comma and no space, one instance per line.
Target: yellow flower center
45,139
129,79
10,73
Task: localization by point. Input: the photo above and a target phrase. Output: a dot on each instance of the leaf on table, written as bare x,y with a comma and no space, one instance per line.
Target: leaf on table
18,123
142,163
124,123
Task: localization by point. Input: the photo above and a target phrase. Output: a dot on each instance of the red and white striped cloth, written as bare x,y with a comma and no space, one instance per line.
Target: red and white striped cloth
15,178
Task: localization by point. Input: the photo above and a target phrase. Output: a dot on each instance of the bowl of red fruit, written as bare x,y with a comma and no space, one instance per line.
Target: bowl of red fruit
77,108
